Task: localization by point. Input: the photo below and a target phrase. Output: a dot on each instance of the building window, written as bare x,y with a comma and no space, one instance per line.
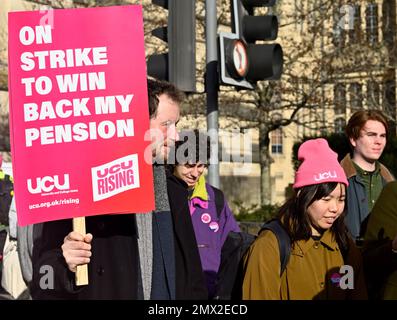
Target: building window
389,22
276,140
371,17
339,125
276,99
313,15
373,95
355,31
340,99
390,99
356,99
339,33
298,16
279,175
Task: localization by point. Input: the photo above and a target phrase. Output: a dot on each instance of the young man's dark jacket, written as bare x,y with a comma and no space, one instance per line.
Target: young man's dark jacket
356,197
190,280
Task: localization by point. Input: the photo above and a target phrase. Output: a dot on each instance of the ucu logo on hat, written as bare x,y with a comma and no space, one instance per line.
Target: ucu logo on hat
325,175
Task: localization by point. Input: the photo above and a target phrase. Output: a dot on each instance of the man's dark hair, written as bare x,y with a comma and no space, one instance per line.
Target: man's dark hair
156,88
358,120
194,147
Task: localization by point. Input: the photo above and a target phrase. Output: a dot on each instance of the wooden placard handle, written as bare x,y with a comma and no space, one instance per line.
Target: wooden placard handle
82,270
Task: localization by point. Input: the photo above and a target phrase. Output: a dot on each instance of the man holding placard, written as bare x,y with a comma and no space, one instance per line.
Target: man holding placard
130,256
79,122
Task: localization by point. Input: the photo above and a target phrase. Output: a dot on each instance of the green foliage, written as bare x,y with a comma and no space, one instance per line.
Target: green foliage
337,142
389,156
255,213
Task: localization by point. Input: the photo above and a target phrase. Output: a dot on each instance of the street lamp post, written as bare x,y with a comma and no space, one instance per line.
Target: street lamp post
211,89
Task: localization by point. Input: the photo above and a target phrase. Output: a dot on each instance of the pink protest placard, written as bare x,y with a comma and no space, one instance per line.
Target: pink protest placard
79,113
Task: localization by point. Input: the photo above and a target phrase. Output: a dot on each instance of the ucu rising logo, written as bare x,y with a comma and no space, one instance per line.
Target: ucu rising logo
48,183
115,177
325,175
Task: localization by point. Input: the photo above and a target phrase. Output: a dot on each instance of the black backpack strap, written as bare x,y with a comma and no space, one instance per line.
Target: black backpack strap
345,252
219,201
231,269
284,241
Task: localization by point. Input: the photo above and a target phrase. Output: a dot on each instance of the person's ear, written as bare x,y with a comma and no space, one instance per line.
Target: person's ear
353,142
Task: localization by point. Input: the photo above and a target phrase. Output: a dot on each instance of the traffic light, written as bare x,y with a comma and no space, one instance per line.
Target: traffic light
178,65
242,61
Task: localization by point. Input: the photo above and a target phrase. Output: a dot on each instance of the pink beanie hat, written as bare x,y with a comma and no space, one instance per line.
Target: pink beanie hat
319,164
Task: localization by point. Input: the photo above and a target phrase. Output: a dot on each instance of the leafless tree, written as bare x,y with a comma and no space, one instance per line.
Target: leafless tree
313,64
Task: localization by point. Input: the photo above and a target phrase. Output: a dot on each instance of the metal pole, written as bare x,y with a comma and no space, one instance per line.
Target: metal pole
211,88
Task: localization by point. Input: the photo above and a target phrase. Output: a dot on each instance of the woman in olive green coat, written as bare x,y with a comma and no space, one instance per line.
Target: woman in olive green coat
324,262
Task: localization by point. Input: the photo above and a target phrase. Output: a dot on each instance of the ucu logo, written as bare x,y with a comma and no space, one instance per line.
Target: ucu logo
325,175
48,183
114,169
115,177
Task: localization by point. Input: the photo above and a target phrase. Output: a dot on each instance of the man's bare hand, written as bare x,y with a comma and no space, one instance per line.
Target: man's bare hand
76,249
